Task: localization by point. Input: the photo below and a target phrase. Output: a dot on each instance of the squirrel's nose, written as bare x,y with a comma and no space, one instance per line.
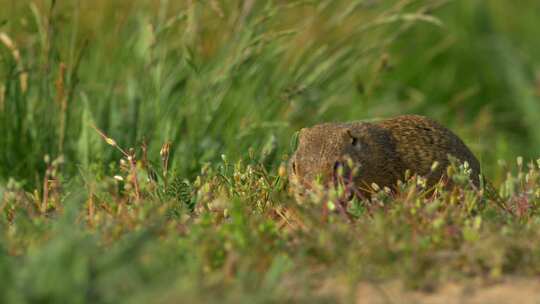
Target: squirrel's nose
339,176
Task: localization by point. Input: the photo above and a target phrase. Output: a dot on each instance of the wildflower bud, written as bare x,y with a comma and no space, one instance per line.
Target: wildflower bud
450,171
407,174
331,206
350,162
282,171
434,166
375,186
422,182
110,141
237,178
340,171
118,178
164,152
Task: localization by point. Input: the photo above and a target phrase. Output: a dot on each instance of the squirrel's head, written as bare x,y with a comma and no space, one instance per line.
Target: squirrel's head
333,152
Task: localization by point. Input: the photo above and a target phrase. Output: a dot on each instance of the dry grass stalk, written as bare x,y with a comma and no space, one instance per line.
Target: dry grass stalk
129,155
12,47
2,98
164,153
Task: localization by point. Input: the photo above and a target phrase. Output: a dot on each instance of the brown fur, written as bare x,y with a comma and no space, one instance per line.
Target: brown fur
382,150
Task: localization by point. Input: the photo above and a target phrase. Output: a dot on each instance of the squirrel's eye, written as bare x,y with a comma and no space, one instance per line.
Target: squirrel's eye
354,140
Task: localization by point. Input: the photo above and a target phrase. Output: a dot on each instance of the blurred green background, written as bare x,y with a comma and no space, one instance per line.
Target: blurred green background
221,77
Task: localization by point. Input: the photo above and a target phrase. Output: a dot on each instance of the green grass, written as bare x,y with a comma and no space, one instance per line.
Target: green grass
227,84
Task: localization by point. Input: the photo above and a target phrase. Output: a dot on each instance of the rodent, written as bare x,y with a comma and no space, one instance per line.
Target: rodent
383,151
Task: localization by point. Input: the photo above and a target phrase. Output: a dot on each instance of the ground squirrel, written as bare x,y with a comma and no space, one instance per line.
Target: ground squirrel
383,151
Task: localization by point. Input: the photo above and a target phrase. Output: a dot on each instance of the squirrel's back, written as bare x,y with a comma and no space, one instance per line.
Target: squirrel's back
420,141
